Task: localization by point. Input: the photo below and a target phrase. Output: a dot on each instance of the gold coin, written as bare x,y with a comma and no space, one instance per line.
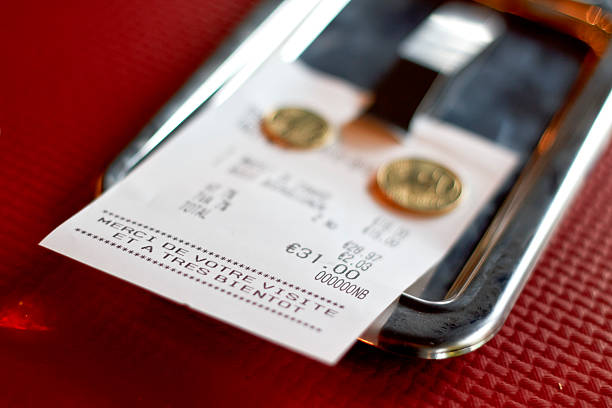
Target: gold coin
419,185
296,128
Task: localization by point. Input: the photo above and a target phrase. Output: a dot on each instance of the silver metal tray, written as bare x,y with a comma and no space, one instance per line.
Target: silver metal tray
565,122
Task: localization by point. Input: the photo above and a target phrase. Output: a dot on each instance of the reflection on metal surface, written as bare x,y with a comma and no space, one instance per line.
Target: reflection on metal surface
312,26
529,176
587,22
451,37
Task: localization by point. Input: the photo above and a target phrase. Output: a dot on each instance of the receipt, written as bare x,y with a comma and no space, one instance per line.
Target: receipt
293,246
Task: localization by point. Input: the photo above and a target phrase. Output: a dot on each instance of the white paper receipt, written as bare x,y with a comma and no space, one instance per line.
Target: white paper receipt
290,245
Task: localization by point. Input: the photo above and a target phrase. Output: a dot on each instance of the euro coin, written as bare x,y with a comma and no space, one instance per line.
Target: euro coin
419,185
296,128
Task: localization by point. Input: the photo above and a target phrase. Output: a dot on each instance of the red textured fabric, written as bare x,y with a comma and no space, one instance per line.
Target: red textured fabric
77,81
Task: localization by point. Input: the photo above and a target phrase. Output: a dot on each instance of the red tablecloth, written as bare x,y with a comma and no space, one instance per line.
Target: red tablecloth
78,79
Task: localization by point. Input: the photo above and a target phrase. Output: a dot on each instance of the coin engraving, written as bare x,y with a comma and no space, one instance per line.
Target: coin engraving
419,185
296,128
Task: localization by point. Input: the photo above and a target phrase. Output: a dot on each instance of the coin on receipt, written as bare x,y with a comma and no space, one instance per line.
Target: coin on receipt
297,128
419,185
